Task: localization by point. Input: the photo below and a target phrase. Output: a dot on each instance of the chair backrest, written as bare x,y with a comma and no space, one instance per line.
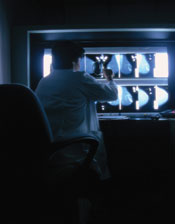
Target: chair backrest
22,116
25,136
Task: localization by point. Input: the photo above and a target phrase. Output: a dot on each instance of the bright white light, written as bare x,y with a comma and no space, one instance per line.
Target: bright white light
137,105
119,88
161,65
98,59
103,107
105,58
143,97
134,89
156,106
117,57
161,97
47,61
139,59
101,57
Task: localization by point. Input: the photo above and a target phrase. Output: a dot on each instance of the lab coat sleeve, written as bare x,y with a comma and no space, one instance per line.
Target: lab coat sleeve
94,90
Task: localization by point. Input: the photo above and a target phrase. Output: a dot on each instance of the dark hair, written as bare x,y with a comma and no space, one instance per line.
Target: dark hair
64,53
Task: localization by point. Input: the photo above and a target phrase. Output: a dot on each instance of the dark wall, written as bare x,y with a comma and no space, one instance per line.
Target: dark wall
137,146
141,160
4,44
79,14
91,12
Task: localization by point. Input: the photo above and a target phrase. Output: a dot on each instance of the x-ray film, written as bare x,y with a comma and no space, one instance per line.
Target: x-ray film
126,67
114,64
124,97
143,97
161,96
146,65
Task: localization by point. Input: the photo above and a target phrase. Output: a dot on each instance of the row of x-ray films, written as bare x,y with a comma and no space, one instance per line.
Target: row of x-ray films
137,98
149,65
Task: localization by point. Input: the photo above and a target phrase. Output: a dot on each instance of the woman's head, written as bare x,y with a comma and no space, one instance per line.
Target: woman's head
66,54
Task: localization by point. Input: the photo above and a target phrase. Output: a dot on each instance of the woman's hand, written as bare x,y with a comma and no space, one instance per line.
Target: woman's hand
108,74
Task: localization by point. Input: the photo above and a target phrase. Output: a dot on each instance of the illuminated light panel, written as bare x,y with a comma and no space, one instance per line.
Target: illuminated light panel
120,91
156,106
161,97
144,66
138,61
89,65
47,61
114,103
143,97
124,98
127,98
118,101
114,64
125,65
161,63
137,105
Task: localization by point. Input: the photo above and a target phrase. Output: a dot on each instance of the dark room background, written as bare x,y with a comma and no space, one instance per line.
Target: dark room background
15,14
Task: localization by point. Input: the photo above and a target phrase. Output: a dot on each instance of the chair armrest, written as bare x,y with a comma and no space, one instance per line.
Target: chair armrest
91,140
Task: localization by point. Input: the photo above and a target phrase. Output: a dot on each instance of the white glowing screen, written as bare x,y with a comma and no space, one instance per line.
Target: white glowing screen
47,61
161,62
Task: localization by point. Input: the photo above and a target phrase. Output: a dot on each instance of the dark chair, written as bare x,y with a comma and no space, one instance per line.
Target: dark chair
26,145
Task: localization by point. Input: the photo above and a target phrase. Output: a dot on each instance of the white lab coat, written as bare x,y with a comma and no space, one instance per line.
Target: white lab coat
69,101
